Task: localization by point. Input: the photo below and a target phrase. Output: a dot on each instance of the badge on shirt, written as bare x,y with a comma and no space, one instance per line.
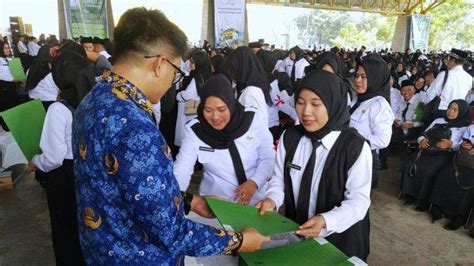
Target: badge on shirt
208,149
294,166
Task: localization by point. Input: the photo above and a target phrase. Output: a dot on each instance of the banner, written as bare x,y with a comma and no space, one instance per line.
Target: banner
86,18
229,18
419,32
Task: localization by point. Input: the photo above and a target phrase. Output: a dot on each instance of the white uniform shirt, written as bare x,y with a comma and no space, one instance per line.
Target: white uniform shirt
46,90
22,47
157,113
219,178
457,86
456,133
373,119
469,134
470,97
252,98
5,73
33,48
410,115
188,94
395,100
356,196
280,103
287,66
104,53
55,138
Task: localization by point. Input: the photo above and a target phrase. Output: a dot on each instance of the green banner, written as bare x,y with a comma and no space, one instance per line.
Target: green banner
86,18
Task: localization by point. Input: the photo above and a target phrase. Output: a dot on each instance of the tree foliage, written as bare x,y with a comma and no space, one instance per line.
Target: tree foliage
452,25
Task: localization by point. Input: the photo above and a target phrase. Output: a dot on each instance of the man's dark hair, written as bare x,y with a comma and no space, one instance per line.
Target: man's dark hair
427,73
140,30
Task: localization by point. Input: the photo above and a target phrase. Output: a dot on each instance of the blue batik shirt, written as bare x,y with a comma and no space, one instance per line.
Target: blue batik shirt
130,209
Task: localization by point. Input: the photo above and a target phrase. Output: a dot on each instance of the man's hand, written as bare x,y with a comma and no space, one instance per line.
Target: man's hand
31,167
245,192
199,206
252,240
424,144
444,144
265,205
312,227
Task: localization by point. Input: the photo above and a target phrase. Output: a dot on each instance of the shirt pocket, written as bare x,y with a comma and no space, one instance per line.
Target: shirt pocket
206,157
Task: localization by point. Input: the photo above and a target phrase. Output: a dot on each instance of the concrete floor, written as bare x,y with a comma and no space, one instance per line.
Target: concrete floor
399,235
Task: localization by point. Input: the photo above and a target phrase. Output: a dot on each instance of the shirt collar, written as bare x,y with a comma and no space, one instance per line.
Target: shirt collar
124,89
329,139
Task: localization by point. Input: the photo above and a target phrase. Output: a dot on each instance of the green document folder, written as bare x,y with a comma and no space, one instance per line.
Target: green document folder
241,216
16,69
420,112
25,122
307,252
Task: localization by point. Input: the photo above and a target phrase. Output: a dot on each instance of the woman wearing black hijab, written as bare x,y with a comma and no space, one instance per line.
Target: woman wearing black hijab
323,169
281,89
200,66
74,76
371,113
454,187
233,146
429,162
244,69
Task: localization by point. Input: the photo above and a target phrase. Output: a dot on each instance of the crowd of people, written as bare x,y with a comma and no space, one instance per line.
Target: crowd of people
128,122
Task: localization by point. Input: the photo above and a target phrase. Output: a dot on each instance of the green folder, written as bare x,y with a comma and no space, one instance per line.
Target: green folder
241,216
420,112
16,69
307,252
25,122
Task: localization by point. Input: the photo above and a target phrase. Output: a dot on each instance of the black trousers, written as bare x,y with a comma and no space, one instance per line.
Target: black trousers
61,197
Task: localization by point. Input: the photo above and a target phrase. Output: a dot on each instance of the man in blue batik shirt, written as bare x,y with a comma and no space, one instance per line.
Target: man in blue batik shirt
130,209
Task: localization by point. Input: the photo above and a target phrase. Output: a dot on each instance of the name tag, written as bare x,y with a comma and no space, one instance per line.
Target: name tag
208,149
294,166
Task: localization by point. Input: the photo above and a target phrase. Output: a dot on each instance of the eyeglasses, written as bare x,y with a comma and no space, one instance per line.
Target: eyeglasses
178,75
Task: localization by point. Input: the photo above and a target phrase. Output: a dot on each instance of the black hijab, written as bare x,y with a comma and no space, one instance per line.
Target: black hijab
378,79
201,73
463,119
74,77
240,121
217,62
244,67
39,69
268,60
333,92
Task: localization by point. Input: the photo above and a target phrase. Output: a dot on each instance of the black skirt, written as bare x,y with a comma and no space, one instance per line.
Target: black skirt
419,174
455,194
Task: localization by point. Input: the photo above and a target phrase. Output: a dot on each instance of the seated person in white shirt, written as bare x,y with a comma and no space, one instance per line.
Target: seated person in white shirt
234,147
407,124
323,169
74,77
435,156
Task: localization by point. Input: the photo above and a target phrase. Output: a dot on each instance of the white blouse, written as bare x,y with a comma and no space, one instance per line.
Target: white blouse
373,119
456,133
46,90
287,66
252,98
356,197
5,73
55,138
256,151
